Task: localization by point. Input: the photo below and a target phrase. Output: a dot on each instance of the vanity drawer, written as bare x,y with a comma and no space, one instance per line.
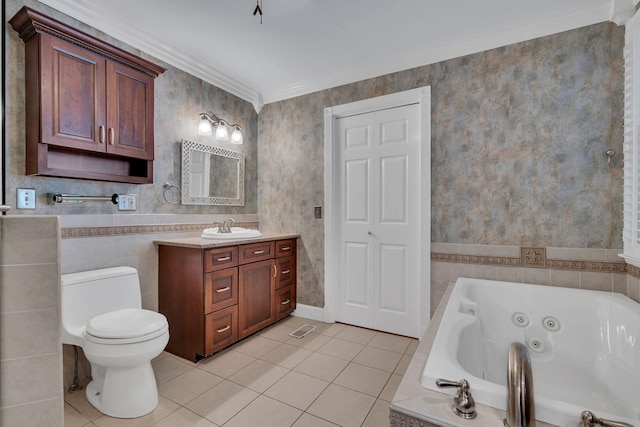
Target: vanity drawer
220,258
220,289
285,247
285,301
286,271
221,329
255,252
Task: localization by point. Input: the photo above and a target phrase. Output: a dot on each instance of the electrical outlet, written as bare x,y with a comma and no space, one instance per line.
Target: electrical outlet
317,212
26,198
127,202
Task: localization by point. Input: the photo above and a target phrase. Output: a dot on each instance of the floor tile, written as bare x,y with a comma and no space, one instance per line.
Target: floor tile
222,402
330,329
311,341
390,342
183,418
165,408
226,363
364,379
355,334
322,366
308,420
341,349
256,346
296,389
169,367
265,412
379,415
188,386
259,375
390,388
73,418
278,332
412,347
287,356
403,364
342,406
378,358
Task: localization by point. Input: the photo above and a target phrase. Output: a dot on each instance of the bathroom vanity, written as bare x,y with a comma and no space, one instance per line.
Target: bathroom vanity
215,293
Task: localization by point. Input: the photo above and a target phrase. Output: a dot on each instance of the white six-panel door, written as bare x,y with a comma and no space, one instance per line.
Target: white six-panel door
378,162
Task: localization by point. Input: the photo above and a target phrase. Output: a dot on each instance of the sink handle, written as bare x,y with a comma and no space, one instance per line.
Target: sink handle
590,420
463,404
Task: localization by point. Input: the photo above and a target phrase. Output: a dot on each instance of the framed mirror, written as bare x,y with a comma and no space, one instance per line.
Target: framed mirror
211,175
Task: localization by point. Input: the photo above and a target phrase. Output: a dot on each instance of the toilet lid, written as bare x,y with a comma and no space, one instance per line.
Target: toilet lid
126,323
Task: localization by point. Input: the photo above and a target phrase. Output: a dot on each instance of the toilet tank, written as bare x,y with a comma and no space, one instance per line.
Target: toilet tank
89,293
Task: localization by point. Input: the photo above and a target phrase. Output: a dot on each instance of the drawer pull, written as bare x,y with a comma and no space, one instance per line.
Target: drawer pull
258,252
223,289
285,302
275,270
224,258
286,271
285,248
226,328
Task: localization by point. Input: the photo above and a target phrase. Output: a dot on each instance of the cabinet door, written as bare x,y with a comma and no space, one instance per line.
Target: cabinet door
129,112
256,308
72,99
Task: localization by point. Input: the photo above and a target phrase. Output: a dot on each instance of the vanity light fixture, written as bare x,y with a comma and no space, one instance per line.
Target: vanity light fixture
208,123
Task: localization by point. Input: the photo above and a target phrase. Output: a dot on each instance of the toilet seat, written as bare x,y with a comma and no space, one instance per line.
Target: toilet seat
128,325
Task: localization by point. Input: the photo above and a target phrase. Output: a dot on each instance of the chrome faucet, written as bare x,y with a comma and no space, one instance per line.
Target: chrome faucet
520,405
590,420
226,226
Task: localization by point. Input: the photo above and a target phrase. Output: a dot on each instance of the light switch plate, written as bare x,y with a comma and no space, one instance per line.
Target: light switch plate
26,198
127,202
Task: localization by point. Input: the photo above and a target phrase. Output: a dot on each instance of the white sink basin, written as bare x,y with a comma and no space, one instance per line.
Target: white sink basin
236,233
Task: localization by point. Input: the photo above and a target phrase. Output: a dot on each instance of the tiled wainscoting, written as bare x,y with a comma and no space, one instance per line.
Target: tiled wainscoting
598,269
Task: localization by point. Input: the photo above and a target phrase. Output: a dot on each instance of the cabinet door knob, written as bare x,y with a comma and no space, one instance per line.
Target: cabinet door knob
102,134
223,289
226,328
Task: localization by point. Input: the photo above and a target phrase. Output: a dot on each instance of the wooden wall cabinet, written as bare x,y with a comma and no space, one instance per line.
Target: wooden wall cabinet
213,297
89,105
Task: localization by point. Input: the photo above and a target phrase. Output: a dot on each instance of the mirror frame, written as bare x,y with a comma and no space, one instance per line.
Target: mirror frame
187,146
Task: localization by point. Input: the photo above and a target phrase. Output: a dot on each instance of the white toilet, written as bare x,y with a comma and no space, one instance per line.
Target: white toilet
101,312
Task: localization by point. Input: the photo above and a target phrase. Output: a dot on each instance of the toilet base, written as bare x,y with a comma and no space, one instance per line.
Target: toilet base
123,392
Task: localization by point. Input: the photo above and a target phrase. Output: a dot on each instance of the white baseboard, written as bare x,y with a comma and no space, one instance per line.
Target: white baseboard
310,312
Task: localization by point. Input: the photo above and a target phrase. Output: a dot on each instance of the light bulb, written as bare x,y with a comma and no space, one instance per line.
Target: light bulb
221,133
204,127
236,136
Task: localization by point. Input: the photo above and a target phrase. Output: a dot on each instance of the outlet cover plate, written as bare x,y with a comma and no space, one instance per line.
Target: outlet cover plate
26,198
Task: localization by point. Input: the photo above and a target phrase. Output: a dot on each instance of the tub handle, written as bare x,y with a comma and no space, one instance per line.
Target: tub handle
463,404
590,420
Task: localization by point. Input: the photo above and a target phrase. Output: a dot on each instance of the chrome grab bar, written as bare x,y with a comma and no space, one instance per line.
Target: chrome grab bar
520,405
590,420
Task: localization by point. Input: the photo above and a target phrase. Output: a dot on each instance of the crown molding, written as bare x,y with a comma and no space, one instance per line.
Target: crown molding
87,13
616,11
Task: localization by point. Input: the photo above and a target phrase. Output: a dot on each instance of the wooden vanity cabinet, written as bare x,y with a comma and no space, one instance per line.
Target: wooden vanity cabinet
214,297
89,105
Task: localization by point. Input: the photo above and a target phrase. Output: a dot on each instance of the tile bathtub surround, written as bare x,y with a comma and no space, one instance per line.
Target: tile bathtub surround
30,335
338,375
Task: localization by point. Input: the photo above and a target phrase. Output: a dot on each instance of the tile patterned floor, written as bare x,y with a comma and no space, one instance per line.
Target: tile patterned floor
338,375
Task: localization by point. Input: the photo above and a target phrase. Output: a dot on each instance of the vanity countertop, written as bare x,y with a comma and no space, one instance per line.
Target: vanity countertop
199,242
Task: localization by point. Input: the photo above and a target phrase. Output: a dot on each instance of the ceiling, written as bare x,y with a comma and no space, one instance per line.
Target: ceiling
303,46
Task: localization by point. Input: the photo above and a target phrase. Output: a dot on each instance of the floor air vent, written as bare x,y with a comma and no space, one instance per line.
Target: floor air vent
302,331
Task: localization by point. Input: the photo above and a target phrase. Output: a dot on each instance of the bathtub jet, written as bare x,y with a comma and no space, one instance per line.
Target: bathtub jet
584,348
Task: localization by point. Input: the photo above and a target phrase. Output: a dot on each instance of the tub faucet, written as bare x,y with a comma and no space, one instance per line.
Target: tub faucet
520,406
590,420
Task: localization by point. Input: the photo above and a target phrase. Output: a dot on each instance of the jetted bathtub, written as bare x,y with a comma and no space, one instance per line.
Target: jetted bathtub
584,348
